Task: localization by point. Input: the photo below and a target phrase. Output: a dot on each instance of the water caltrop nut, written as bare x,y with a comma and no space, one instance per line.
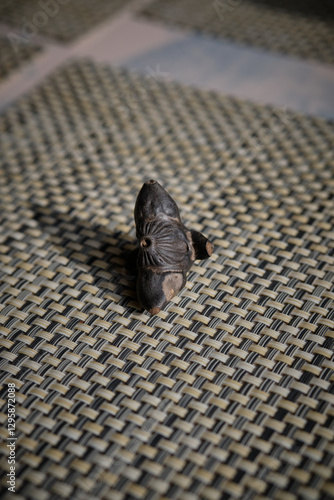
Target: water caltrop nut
167,248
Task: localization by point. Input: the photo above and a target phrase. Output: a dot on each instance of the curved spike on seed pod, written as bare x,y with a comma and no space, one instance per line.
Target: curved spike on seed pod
167,248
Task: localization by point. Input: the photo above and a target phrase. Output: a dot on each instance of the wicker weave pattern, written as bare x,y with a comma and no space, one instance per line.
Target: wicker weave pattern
228,392
303,28
61,20
11,59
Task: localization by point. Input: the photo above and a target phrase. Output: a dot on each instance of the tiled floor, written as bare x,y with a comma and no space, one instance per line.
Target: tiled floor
162,52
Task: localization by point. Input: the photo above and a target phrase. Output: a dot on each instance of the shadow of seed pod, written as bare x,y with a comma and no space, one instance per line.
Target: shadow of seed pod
167,249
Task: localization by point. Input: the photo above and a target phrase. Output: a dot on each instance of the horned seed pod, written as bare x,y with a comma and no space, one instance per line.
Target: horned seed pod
167,248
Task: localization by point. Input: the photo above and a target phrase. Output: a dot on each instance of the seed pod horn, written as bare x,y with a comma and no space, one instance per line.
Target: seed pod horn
167,249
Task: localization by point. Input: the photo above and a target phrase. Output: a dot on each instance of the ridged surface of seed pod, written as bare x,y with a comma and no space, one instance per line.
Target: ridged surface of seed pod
167,248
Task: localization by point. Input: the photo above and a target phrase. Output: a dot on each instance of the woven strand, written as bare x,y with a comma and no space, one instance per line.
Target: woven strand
13,56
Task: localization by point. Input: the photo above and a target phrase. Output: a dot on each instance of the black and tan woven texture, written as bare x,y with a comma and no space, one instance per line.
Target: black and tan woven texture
62,20
12,58
303,28
227,393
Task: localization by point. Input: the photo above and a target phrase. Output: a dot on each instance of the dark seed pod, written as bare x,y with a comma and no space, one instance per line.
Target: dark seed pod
167,249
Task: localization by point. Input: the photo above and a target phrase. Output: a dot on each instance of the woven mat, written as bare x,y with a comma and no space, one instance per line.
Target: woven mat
57,19
303,28
228,392
11,59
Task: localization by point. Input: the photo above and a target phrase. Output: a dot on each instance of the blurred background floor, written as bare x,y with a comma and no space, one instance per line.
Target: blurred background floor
165,50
